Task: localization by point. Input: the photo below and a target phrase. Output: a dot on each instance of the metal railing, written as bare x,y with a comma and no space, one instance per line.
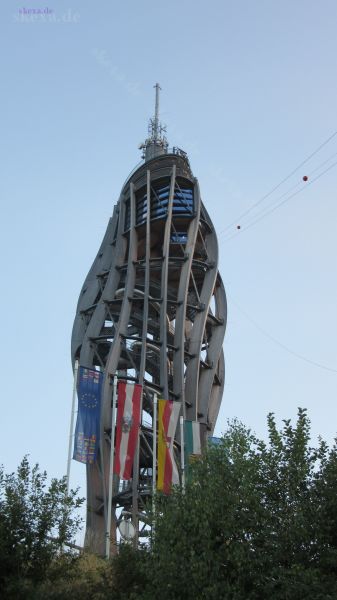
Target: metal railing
174,150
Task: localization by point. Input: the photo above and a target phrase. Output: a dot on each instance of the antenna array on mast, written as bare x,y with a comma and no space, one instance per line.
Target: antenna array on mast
156,144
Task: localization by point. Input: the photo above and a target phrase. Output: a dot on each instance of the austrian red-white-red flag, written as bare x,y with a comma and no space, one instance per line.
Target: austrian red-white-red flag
127,426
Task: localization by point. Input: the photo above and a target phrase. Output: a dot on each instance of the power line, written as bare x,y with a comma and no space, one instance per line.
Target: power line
294,187
267,212
291,196
280,344
263,210
323,163
246,212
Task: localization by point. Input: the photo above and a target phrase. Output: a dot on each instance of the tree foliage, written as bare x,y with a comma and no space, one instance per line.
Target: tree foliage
81,577
88,577
256,521
36,520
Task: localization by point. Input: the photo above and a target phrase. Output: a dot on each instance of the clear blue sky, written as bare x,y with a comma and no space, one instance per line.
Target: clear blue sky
249,91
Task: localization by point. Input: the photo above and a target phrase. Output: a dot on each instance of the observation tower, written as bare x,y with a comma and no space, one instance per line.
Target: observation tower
152,310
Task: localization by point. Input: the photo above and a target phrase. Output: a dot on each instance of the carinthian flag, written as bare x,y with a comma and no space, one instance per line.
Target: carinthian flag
192,438
88,417
168,415
127,426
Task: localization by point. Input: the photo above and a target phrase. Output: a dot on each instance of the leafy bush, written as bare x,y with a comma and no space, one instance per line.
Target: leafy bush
256,521
36,520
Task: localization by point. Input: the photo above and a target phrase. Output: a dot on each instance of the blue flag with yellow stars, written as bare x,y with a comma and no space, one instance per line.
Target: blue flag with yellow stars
87,430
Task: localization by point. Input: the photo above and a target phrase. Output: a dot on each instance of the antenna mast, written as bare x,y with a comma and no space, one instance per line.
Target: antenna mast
156,144
156,112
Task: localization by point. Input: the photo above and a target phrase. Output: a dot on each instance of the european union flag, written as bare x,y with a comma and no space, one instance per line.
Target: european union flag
87,430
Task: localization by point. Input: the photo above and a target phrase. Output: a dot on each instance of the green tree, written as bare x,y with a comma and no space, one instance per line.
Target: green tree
256,521
82,577
36,520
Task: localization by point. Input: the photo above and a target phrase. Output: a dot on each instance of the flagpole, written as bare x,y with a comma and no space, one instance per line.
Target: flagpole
71,425
182,452
111,468
154,457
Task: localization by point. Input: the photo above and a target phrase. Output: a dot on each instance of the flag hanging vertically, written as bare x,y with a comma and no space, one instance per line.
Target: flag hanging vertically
87,430
127,426
168,415
192,438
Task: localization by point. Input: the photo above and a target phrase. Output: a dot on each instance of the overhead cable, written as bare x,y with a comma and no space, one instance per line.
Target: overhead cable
246,212
273,339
